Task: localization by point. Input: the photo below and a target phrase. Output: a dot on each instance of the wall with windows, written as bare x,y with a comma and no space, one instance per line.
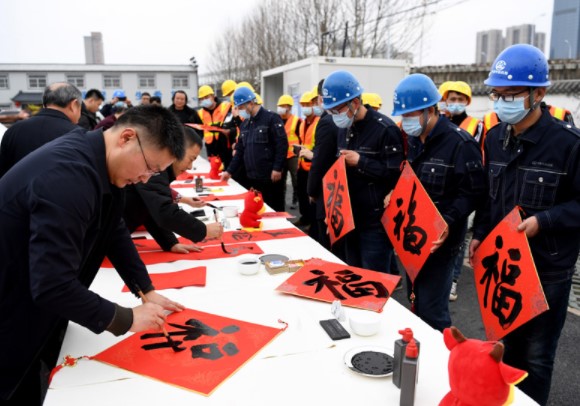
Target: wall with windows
160,80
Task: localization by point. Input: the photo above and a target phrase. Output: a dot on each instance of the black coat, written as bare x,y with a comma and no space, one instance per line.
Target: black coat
88,120
25,136
59,217
150,204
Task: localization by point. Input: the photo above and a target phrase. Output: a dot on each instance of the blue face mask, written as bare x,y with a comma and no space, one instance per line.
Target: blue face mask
342,120
412,126
511,112
317,110
307,111
206,103
245,115
455,109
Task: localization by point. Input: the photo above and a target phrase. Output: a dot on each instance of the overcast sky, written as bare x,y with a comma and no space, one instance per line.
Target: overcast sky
172,31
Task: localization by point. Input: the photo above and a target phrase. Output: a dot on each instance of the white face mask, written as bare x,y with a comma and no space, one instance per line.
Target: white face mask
282,110
307,111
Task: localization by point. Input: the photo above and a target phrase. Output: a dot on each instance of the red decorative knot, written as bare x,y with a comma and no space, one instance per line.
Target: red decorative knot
69,361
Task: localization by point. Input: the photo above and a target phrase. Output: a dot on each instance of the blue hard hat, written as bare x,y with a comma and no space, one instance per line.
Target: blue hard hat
520,65
415,92
119,93
338,88
157,93
243,95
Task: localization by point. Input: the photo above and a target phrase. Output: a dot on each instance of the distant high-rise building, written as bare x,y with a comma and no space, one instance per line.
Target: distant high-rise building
565,39
489,45
519,34
540,41
94,54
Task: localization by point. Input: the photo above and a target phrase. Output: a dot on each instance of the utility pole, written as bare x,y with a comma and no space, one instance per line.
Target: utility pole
345,39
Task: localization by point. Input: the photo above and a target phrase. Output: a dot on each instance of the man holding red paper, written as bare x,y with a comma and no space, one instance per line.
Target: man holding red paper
447,161
533,161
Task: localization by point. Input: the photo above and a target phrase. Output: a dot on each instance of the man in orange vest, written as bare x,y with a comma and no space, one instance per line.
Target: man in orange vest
457,96
213,113
292,124
307,135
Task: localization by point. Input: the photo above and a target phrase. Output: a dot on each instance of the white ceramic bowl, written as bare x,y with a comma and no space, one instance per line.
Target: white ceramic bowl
248,264
364,323
230,211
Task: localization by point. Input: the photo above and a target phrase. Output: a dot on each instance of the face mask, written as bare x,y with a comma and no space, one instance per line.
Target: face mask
412,126
245,115
307,111
317,110
206,103
442,106
342,120
511,112
456,108
282,110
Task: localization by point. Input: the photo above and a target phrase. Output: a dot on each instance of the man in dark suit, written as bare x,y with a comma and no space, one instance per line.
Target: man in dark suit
60,210
62,110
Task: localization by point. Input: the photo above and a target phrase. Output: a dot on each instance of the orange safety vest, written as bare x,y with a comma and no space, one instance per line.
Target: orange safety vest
559,112
215,119
308,137
470,125
290,127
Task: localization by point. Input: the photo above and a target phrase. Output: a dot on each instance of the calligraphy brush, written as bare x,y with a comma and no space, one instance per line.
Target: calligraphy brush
222,237
214,207
175,346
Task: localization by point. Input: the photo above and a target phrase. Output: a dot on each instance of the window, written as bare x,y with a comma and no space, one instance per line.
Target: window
180,81
146,80
37,81
111,80
4,82
77,80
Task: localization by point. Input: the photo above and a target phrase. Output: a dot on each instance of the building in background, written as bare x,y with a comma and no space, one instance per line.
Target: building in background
565,39
489,45
162,80
94,51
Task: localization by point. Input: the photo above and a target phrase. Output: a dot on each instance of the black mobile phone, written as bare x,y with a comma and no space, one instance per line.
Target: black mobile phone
198,213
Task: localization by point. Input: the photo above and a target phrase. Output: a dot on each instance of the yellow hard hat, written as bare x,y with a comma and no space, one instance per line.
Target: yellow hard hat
458,87
314,91
285,99
259,99
372,99
443,87
204,91
228,87
307,97
246,84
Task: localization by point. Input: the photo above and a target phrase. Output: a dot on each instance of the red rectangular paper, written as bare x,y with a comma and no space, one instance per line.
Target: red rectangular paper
151,253
211,197
277,214
412,222
188,175
329,281
206,182
337,201
216,347
229,237
174,280
507,282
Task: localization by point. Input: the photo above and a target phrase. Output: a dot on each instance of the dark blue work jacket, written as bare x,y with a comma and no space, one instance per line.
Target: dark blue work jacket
262,146
539,170
379,143
449,166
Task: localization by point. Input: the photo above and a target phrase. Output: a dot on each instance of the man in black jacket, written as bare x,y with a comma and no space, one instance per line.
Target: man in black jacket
91,103
151,204
261,149
62,109
373,149
60,210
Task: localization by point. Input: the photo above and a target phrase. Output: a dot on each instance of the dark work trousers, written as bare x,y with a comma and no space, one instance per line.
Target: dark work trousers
307,209
272,192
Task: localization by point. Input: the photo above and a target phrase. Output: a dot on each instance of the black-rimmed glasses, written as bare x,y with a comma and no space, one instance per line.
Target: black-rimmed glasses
150,171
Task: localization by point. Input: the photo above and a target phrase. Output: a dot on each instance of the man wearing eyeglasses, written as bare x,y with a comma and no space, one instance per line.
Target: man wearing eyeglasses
533,161
60,210
373,149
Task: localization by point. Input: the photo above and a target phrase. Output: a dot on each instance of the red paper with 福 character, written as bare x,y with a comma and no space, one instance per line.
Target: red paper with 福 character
337,205
508,287
215,348
412,222
329,281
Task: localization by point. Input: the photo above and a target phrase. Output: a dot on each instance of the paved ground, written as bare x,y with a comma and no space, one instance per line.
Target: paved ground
466,316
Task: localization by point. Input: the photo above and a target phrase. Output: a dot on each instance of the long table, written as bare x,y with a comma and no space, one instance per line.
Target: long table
301,366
